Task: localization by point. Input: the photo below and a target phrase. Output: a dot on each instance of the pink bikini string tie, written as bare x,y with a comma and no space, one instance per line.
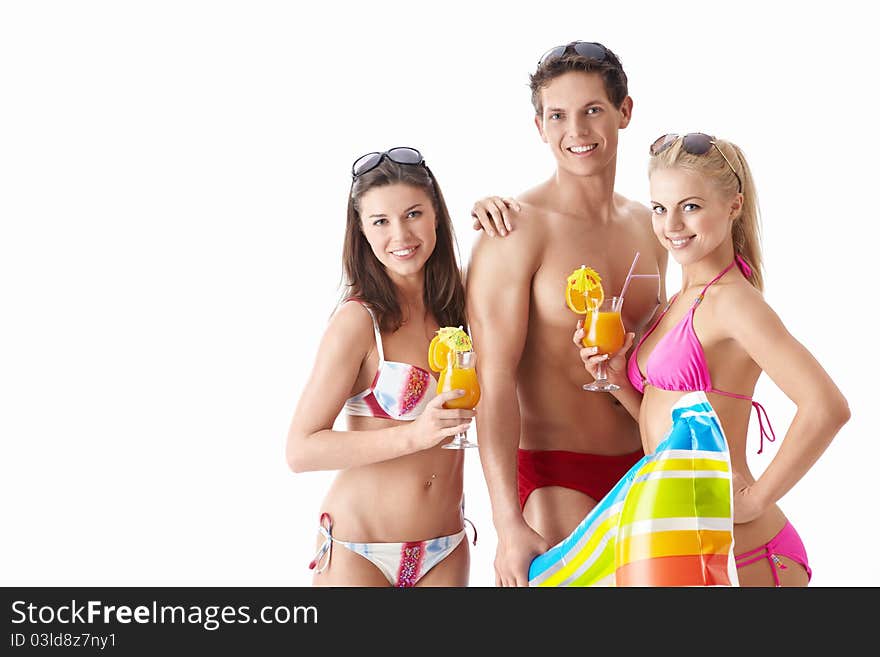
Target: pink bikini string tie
771,436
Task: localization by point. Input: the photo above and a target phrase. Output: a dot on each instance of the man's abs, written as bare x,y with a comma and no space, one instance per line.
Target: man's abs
556,413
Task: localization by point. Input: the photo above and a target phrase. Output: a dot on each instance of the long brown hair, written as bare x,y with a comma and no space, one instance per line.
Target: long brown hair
365,277
747,226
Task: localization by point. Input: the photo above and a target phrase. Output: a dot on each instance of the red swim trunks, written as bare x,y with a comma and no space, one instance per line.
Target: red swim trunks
592,474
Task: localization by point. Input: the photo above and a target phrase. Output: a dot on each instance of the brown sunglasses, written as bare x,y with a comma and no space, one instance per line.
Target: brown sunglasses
695,143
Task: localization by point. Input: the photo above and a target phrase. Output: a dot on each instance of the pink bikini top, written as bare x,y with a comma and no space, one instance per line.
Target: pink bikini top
678,362
399,391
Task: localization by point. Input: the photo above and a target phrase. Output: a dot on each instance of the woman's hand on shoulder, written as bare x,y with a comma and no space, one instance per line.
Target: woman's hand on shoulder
437,424
492,214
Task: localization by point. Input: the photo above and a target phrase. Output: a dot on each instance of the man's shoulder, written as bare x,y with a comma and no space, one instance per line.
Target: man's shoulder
631,209
534,214
536,200
523,245
524,240
533,195
528,230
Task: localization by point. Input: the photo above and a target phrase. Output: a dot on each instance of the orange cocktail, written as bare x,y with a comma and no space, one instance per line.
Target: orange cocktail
460,378
604,329
460,374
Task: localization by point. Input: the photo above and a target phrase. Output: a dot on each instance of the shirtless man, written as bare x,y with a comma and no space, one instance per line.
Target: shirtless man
550,450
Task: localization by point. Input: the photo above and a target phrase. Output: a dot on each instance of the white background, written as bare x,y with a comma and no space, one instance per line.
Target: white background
173,180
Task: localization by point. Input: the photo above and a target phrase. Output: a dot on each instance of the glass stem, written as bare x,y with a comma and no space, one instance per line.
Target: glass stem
601,370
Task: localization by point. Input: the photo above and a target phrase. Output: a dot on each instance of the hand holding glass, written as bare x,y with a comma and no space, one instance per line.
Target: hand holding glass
460,374
603,328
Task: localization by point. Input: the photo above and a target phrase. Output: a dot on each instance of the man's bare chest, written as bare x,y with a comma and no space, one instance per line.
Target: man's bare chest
611,255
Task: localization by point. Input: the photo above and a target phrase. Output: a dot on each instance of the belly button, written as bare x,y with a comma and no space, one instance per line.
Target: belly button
430,481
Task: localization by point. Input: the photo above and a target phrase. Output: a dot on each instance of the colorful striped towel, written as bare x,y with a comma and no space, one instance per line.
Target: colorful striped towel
667,522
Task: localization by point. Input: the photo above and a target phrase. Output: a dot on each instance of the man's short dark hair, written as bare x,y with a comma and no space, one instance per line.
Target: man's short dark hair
609,68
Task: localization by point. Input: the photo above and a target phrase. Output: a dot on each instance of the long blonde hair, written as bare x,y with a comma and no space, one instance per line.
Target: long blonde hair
747,226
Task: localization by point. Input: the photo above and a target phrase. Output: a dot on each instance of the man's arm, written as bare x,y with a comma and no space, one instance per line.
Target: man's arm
498,290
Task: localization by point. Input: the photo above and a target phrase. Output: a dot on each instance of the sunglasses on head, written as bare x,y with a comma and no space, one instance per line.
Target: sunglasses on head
695,143
400,155
588,49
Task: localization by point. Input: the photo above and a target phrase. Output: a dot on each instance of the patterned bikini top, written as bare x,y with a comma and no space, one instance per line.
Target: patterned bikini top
399,391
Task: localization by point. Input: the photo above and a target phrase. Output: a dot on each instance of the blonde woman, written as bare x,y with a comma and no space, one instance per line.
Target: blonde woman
715,337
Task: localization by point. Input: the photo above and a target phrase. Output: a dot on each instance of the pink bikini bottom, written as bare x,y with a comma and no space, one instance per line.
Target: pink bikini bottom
787,543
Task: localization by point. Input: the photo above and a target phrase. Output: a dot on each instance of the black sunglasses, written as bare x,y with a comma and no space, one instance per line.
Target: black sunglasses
400,155
588,49
695,143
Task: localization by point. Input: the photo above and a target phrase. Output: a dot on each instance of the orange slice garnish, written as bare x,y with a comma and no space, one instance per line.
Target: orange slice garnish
583,290
448,339
437,353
